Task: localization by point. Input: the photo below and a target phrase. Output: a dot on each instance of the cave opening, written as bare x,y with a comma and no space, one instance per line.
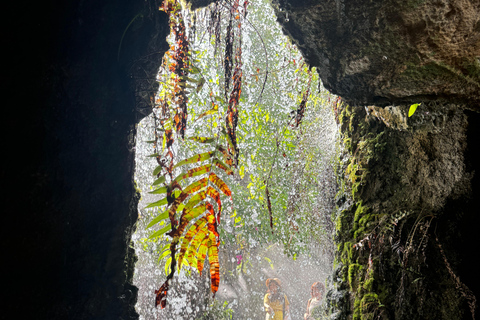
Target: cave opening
73,196
277,222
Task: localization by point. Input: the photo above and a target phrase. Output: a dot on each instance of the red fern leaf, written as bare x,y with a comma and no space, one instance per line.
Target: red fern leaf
220,184
214,265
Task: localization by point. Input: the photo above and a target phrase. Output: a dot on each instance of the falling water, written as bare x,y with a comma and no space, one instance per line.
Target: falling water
299,252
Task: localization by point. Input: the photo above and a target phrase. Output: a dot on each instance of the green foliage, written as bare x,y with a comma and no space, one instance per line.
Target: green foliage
250,133
413,108
354,270
217,311
358,226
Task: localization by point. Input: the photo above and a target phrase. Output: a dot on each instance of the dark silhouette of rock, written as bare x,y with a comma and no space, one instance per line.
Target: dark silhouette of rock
74,96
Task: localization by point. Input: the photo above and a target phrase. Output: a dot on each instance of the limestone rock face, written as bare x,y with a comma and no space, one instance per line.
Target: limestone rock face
406,214
383,52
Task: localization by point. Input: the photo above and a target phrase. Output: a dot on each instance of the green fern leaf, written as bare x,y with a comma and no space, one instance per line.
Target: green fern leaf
197,185
202,139
220,184
157,219
158,181
202,254
196,158
228,170
191,233
157,170
214,264
160,232
157,203
188,216
159,190
195,200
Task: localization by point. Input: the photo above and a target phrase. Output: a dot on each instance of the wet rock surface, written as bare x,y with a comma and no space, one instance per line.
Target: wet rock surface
386,52
405,214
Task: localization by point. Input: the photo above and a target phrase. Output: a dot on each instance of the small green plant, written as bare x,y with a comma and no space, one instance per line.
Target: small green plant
413,108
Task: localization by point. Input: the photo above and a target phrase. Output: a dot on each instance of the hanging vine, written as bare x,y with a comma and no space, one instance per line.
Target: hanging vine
193,198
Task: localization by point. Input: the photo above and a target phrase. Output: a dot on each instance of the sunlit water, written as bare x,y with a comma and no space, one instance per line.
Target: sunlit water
246,264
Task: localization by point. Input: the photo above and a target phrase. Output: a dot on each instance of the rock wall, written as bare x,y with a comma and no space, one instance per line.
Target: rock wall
406,214
379,52
408,207
77,76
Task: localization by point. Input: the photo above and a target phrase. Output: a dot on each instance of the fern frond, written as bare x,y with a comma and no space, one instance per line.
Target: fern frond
228,170
158,203
195,158
214,265
194,172
215,195
158,181
195,186
220,184
160,232
159,190
202,253
157,219
195,200
202,139
191,233
188,216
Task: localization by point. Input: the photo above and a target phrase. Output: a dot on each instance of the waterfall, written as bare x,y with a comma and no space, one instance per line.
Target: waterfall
297,161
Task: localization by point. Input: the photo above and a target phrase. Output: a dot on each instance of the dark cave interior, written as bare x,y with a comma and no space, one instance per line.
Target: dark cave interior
70,195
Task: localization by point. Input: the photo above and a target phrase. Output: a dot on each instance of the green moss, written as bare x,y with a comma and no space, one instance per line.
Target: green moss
347,253
466,71
346,117
368,284
360,211
357,314
135,185
366,220
472,68
384,293
359,233
361,221
354,275
343,222
427,71
365,146
351,124
347,142
346,112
